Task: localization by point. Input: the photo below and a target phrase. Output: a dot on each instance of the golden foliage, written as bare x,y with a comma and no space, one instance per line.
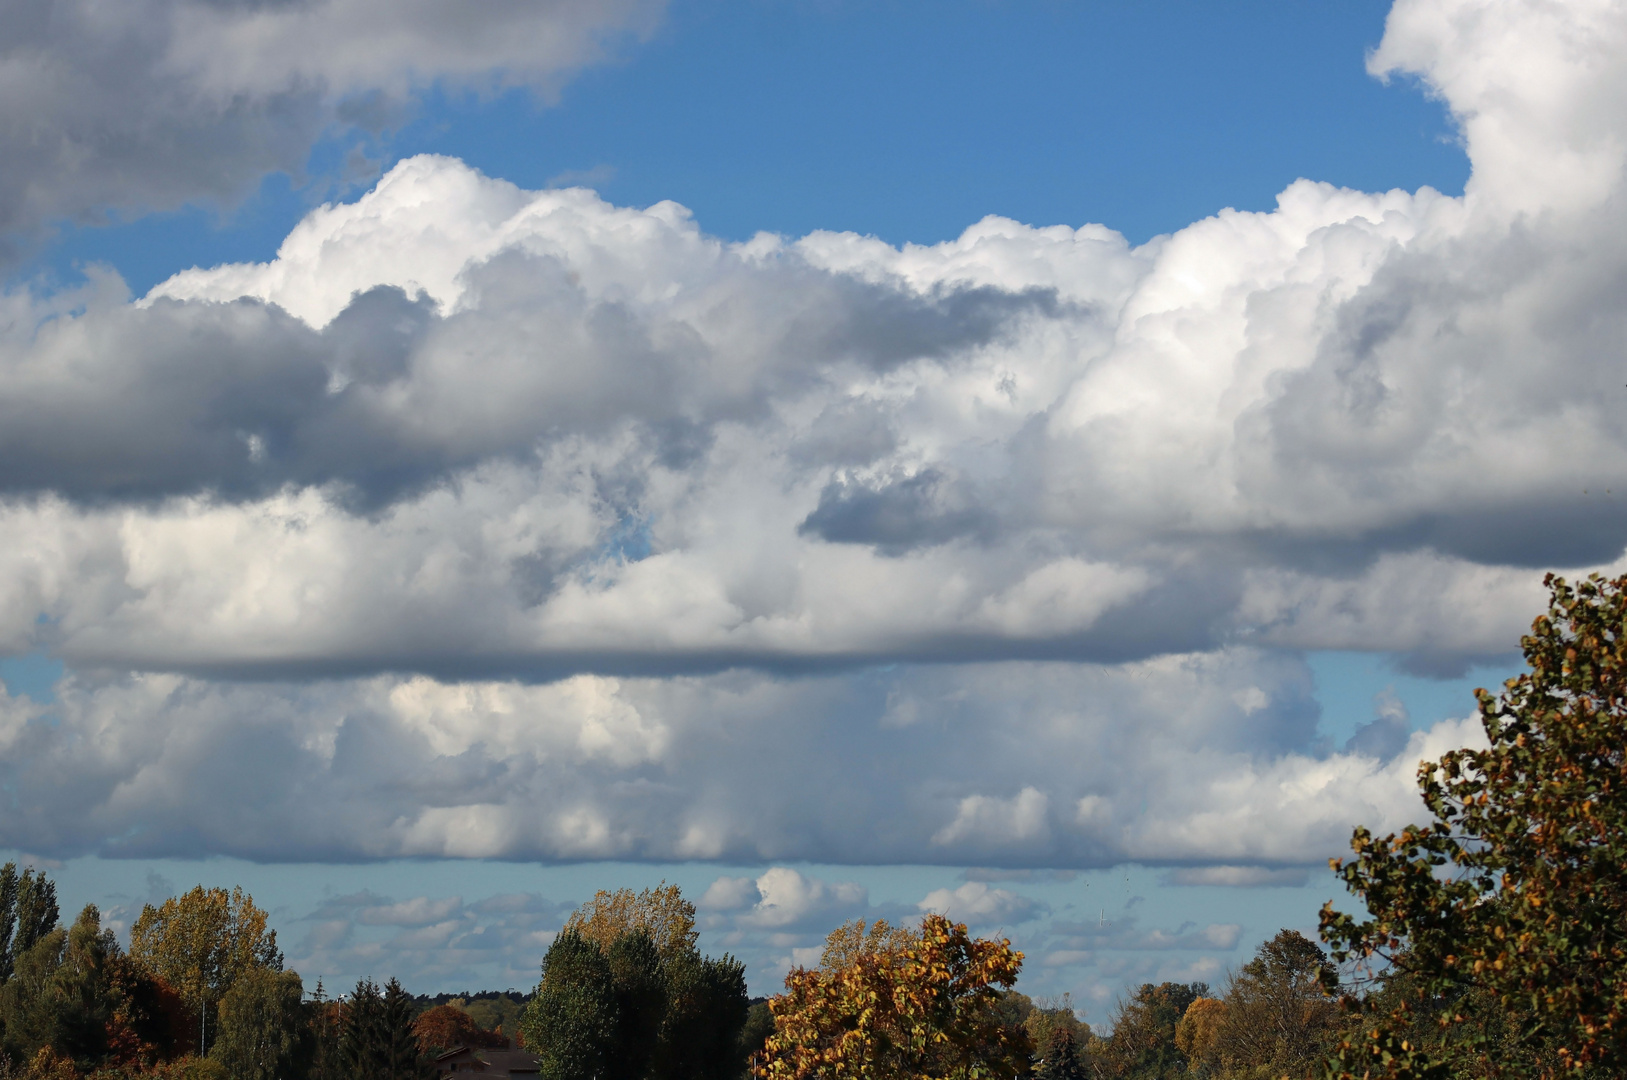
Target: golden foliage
1197,1035
851,940
894,1004
661,912
201,942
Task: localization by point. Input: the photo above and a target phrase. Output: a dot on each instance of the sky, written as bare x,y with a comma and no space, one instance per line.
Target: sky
1061,464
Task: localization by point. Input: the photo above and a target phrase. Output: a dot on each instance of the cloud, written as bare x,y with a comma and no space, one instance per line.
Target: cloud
428,942
788,899
500,523
976,904
150,104
744,766
1238,877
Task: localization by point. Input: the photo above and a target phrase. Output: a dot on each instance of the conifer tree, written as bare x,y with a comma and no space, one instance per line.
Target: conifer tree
399,1057
361,1042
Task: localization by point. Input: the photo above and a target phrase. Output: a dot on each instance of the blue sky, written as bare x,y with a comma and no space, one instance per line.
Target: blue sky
1090,571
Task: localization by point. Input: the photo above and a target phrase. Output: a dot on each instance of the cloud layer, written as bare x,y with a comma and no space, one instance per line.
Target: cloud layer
545,528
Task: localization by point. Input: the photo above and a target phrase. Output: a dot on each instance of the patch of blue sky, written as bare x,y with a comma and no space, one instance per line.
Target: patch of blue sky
907,119
33,675
1349,687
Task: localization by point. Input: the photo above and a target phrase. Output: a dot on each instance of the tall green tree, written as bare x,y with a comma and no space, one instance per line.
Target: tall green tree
28,911
401,1058
262,1033
362,1044
1512,900
59,997
707,1007
571,1021
638,984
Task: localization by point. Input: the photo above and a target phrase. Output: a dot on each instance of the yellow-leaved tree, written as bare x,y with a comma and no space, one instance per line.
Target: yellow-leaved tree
662,912
887,1002
201,943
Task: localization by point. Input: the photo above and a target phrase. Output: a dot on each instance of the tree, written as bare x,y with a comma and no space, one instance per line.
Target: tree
1513,899
1278,1014
640,992
662,912
201,943
571,1021
1198,1035
924,1009
1060,1056
28,911
400,1058
447,1026
706,1011
325,1023
262,1033
1143,1040
1059,1037
60,995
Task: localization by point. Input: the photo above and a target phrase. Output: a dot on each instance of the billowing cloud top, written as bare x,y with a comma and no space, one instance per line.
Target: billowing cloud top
459,438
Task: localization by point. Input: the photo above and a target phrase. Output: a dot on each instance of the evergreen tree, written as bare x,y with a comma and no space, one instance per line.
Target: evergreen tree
399,1058
1060,1056
362,1053
323,1021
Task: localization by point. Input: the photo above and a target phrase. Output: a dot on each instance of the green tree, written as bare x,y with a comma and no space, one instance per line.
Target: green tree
639,987
28,911
262,1034
58,997
571,1021
401,1058
1513,899
1142,1046
1060,1056
362,1051
325,1024
201,943
706,1011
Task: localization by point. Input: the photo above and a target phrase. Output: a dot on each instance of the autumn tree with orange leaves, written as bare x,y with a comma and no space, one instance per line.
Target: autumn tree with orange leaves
888,1003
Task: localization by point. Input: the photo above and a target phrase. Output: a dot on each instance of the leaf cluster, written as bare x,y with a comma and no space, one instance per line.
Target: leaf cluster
1505,917
890,1004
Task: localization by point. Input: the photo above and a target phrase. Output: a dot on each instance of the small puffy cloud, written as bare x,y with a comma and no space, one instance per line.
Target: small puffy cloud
788,899
976,904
